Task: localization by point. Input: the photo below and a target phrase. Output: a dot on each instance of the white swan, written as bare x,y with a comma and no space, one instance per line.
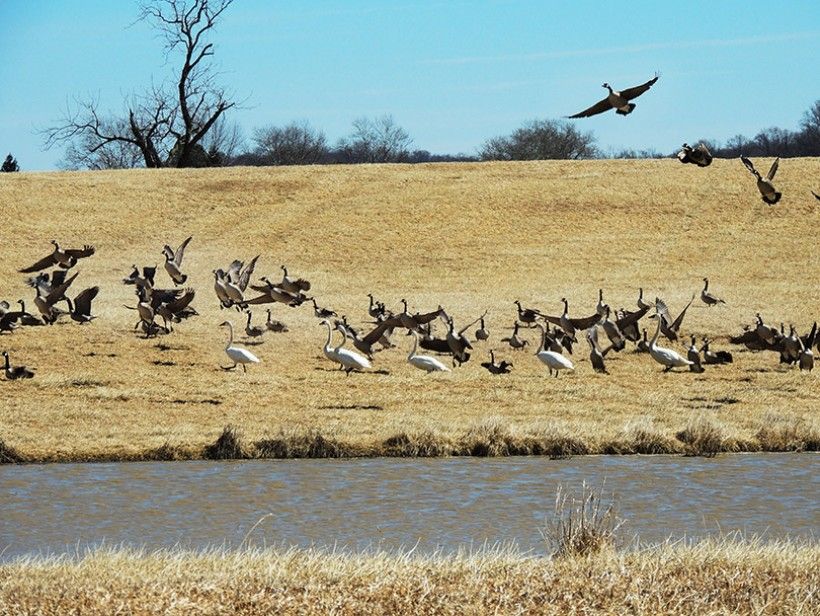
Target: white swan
238,355
351,360
666,357
424,362
554,361
328,350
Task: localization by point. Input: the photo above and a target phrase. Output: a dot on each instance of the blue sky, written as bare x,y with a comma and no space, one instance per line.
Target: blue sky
453,74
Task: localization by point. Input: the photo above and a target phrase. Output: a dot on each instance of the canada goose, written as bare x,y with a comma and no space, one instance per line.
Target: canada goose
275,326
424,362
220,289
613,332
272,293
601,307
766,332
350,360
144,309
503,367
555,362
596,357
706,297
24,317
714,357
236,279
642,305
666,357
515,341
481,333
759,338
375,309
811,338
8,322
643,345
458,343
172,305
699,155
414,321
806,353
322,313
527,315
693,355
764,185
45,300
16,372
253,331
238,355
790,347
44,282
173,261
627,322
293,285
668,327
570,325
80,309
146,280
429,342
65,259
617,100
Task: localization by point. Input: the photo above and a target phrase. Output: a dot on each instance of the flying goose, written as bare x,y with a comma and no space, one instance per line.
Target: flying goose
45,299
173,261
275,326
429,342
16,372
570,325
706,297
350,360
296,286
693,355
790,347
764,185
237,355
424,362
699,155
80,308
220,289
502,367
253,331
271,293
515,341
235,281
617,100
65,259
666,357
714,357
627,322
322,313
414,321
527,315
668,327
596,356
554,361
146,280
613,332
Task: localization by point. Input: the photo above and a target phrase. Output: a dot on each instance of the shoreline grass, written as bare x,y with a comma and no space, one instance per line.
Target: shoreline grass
469,236
714,576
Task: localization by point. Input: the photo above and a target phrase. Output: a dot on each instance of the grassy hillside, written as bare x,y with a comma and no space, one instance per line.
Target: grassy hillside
468,236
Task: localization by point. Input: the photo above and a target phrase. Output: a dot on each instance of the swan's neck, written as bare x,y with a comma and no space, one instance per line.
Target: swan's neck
344,339
543,346
329,336
657,333
415,346
230,337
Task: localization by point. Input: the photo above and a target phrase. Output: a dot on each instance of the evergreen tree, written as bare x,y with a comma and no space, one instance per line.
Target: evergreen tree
10,164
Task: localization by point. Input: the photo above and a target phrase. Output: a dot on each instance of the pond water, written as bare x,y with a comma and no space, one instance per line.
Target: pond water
443,503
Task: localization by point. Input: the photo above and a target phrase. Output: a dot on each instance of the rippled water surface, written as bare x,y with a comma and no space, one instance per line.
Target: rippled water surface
390,503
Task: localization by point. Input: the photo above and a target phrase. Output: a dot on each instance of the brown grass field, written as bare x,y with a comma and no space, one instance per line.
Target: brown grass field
467,236
712,577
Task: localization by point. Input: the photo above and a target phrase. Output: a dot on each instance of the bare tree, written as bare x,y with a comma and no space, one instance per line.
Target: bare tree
167,118
541,140
378,140
294,144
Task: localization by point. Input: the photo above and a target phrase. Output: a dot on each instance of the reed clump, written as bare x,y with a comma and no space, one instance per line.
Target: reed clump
228,446
304,444
642,435
780,433
703,436
417,444
583,524
9,455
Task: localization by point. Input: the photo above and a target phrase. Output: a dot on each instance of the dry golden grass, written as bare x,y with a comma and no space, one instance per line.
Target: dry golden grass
712,577
468,236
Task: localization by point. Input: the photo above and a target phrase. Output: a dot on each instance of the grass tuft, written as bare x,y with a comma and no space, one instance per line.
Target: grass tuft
582,526
227,447
421,444
781,433
310,444
642,435
703,436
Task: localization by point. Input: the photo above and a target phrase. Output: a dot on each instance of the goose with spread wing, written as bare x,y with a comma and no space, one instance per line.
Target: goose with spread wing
617,100
668,327
698,155
764,184
65,259
570,325
173,261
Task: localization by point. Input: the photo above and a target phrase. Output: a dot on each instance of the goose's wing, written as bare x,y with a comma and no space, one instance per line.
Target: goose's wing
245,277
376,333
677,322
181,250
816,196
586,322
663,311
599,107
592,338
630,318
58,292
148,273
750,166
79,253
553,320
265,298
82,303
40,265
636,91
261,288
182,301
421,319
233,270
773,169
